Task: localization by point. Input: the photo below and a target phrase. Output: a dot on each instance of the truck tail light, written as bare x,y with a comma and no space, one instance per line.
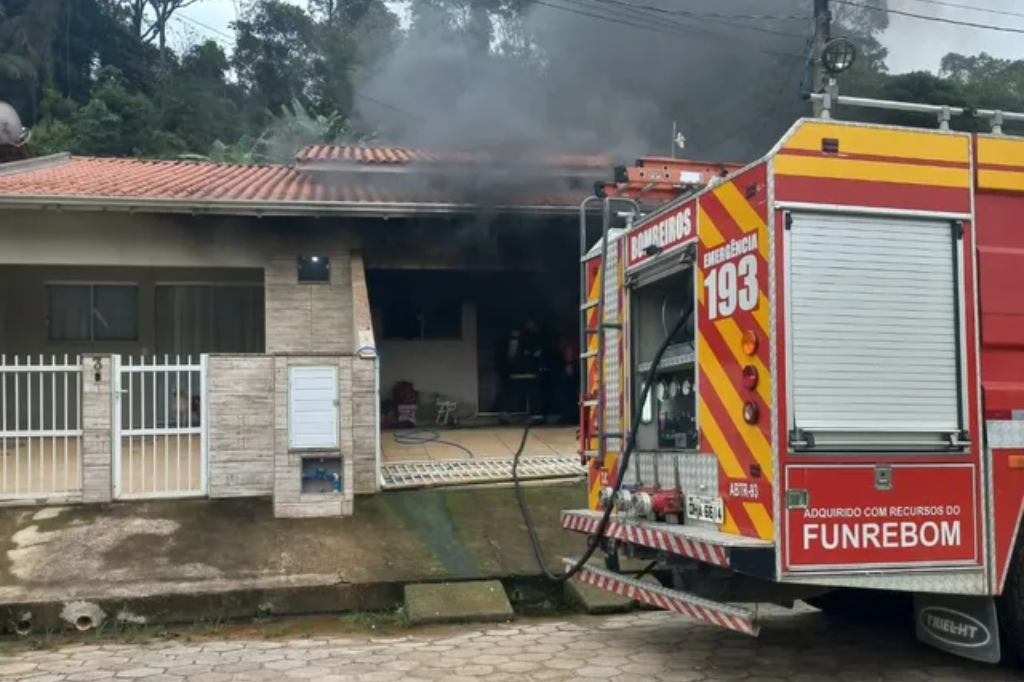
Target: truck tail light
749,342
750,412
750,377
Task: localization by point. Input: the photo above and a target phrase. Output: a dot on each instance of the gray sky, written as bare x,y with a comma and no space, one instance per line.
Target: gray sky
916,44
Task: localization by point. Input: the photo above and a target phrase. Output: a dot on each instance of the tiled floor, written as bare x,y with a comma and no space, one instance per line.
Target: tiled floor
50,466
484,442
172,465
39,466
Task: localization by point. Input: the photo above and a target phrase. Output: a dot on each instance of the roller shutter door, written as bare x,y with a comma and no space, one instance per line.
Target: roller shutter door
874,325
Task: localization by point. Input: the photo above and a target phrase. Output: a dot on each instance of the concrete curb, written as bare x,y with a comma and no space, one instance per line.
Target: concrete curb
186,608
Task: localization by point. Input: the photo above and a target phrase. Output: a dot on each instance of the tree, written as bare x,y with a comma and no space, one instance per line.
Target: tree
988,82
14,65
350,36
148,19
274,56
200,104
27,29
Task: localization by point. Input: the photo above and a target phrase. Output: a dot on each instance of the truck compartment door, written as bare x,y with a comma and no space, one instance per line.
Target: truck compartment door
875,329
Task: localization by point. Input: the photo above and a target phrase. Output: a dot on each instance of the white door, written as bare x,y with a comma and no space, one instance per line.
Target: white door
313,408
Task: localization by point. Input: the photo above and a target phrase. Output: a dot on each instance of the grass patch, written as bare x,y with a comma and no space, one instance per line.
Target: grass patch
376,620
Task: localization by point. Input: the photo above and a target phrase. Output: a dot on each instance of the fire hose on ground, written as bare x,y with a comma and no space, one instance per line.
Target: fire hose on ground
595,540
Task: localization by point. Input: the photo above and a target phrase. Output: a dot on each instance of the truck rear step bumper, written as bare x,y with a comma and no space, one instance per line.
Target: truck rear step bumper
702,544
727,616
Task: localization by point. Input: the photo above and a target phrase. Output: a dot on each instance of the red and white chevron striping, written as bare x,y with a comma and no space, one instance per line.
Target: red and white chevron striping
668,542
655,598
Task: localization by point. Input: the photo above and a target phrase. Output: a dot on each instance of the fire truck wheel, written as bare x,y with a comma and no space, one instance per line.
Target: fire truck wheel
865,606
1011,608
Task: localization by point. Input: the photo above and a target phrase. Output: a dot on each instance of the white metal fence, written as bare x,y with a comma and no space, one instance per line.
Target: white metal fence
40,427
160,427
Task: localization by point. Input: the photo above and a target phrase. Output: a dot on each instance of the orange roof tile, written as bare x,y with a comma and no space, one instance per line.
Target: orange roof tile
190,183
370,155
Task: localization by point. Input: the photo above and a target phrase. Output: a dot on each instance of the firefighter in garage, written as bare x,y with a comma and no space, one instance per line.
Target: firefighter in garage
524,363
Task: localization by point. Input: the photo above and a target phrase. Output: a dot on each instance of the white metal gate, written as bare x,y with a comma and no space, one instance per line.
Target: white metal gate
40,427
160,448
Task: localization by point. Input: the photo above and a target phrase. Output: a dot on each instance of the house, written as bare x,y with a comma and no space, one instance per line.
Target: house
178,329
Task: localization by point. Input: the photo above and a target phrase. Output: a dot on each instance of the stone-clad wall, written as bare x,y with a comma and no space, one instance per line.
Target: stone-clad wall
310,317
97,441
240,405
365,429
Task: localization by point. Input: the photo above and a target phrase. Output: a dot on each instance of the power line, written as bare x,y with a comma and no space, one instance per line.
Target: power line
925,17
385,105
184,17
782,91
972,8
731,15
716,18
765,119
660,27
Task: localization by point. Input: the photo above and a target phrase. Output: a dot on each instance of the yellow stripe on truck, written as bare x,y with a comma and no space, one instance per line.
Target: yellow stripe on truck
1006,181
838,168
761,519
883,142
1001,152
1008,155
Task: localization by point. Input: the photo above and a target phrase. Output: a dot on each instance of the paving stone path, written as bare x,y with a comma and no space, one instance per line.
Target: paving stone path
660,647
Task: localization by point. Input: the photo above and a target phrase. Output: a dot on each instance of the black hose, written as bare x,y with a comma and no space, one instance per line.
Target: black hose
595,541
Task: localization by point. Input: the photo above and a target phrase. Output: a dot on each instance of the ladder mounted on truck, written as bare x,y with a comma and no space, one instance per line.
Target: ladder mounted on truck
661,178
654,179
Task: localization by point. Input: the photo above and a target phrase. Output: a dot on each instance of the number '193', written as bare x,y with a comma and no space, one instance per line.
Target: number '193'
732,284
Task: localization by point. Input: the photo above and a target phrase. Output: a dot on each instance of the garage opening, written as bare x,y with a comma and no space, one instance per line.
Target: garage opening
442,337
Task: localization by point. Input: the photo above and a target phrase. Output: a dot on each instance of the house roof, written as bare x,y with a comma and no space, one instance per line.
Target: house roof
185,186
400,156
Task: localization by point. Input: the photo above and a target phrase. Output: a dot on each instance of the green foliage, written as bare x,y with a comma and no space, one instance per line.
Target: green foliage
52,136
98,77
102,77
286,133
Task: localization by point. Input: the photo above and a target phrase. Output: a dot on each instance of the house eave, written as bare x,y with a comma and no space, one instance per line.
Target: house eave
354,209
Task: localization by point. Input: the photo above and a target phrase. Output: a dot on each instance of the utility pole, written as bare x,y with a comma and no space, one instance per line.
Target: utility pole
822,34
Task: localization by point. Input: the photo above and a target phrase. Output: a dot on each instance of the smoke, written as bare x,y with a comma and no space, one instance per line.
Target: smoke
596,77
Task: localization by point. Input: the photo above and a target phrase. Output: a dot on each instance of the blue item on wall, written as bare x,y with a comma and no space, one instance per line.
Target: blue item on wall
324,475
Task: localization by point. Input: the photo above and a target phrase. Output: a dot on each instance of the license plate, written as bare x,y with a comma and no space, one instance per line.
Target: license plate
705,509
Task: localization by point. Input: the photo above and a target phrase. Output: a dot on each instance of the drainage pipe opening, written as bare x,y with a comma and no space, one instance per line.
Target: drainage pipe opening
23,627
83,623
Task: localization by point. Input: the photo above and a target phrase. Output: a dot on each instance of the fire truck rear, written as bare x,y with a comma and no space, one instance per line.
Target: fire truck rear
805,380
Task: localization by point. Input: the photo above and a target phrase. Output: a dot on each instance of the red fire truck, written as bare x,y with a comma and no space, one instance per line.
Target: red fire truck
804,380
